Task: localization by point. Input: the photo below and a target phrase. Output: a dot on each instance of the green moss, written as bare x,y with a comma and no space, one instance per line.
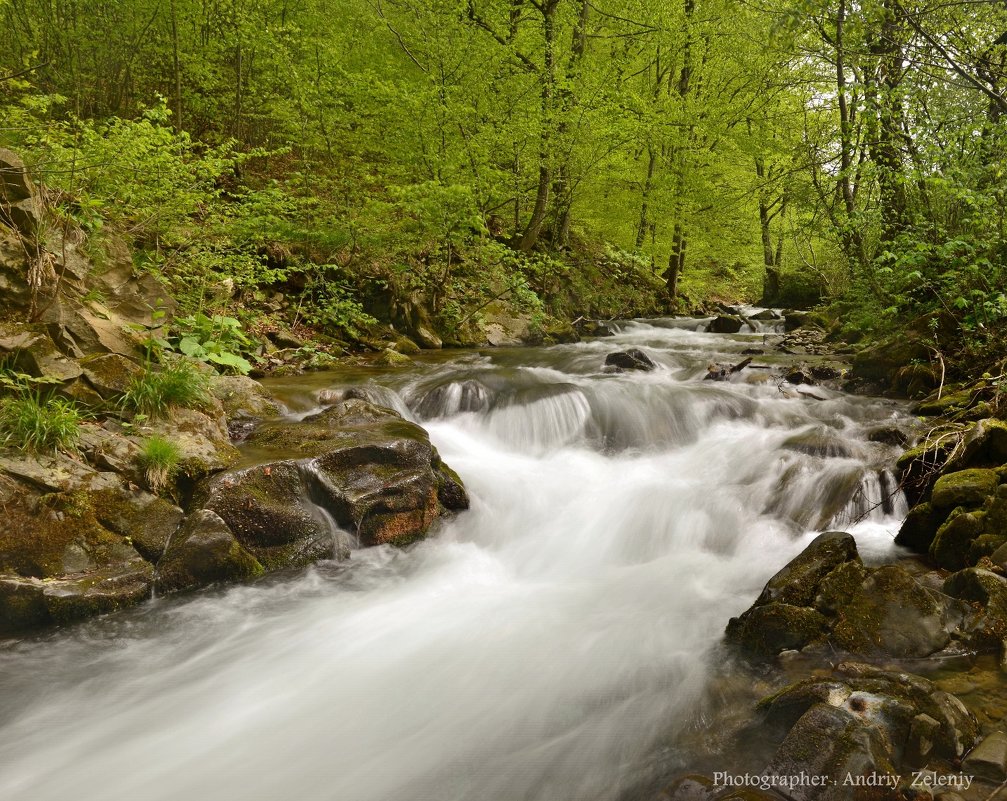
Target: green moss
950,547
968,488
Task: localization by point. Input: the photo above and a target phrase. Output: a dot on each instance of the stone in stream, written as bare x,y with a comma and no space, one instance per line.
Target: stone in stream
204,551
827,596
988,760
726,324
630,359
364,467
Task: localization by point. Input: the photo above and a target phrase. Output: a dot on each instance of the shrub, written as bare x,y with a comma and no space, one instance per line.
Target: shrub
159,460
35,424
154,391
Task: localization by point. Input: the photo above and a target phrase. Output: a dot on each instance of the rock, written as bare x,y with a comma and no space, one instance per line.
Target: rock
286,340
819,441
766,314
830,741
919,528
986,625
888,435
797,583
792,320
364,467
595,328
110,374
799,376
967,488
767,630
988,760
631,359
392,358
950,547
28,603
823,372
725,324
202,552
406,345
146,520
880,362
202,439
892,614
243,397
37,355
15,184
270,512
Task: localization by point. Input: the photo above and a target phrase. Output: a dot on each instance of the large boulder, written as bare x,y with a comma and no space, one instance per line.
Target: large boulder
242,396
354,468
968,488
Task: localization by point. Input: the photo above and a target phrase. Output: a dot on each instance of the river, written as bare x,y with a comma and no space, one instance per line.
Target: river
549,644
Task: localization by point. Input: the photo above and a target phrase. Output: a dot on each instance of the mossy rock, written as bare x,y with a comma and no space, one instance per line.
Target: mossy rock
920,527
891,614
797,583
204,551
984,545
392,358
768,630
147,520
950,547
242,396
947,403
110,374
969,488
987,592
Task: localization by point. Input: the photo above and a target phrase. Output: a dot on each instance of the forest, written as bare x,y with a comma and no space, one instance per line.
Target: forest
378,159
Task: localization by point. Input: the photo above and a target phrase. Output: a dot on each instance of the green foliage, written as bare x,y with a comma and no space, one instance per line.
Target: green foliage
217,340
154,392
35,423
159,458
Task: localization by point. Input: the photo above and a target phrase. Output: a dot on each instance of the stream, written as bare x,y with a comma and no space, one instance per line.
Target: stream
552,643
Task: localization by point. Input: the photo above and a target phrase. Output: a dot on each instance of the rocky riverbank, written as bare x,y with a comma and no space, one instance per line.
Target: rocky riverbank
885,681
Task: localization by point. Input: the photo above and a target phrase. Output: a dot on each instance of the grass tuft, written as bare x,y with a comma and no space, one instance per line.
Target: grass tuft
159,460
153,392
35,424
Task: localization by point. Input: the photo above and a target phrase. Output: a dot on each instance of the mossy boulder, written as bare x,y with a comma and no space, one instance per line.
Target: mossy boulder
204,551
768,630
881,361
891,614
968,488
951,544
110,374
146,520
798,582
986,592
34,353
947,403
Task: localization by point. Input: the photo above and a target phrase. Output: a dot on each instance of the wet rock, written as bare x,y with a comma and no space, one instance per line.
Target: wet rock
881,362
794,320
830,741
360,466
797,583
986,592
824,372
988,760
819,442
967,488
800,376
888,435
201,437
726,324
392,358
768,630
919,528
204,551
596,328
631,359
766,314
146,520
892,614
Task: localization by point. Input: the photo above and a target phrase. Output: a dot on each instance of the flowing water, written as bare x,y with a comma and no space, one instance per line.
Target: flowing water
548,644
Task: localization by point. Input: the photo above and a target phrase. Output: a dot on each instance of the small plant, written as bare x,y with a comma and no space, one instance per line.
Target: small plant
159,460
153,392
29,422
218,340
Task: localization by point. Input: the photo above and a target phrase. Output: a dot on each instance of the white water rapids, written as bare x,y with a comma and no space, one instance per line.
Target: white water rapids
543,646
